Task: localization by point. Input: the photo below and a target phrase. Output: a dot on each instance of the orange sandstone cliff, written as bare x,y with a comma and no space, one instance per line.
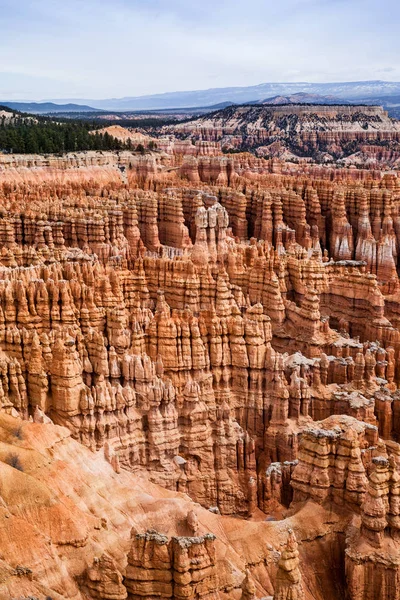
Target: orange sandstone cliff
199,372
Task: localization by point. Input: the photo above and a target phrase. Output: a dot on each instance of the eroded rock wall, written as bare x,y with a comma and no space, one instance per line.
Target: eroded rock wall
227,328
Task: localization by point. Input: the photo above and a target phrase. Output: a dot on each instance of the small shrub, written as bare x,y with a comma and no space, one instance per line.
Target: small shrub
18,432
13,460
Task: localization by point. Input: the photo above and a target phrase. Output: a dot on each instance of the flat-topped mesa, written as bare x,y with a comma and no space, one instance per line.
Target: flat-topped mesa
294,130
328,110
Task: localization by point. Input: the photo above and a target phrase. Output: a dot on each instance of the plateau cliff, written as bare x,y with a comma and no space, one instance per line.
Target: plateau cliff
320,132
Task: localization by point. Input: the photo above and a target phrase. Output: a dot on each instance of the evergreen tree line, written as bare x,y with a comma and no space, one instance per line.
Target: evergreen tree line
44,136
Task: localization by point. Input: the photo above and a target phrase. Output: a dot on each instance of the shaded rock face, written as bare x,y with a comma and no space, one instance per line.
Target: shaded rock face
226,329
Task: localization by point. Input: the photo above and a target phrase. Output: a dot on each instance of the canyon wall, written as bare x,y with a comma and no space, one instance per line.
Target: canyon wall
224,330
323,132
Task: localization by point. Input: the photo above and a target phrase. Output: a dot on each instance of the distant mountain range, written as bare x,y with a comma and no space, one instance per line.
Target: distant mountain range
45,108
354,91
386,93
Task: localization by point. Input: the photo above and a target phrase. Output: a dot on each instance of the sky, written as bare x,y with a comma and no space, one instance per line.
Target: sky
53,49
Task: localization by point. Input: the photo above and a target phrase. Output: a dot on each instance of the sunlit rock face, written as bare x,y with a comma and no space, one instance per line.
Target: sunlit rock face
218,338
354,135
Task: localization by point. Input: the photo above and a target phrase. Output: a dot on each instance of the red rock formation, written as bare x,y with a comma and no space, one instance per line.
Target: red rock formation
372,566
330,461
149,571
104,581
235,339
288,581
301,130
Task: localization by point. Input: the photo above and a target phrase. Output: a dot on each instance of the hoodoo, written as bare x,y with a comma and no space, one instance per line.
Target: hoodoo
199,374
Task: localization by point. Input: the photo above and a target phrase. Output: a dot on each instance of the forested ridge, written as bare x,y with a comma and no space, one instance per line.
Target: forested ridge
30,135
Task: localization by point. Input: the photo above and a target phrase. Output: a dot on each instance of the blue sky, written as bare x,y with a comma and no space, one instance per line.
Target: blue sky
115,48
